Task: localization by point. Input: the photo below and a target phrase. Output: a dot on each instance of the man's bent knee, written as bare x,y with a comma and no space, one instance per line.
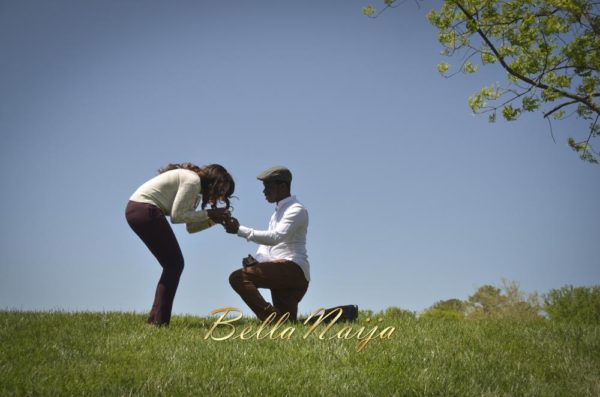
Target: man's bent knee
236,278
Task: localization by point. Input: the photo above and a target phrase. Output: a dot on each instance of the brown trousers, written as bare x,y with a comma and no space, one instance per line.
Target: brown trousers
151,225
285,279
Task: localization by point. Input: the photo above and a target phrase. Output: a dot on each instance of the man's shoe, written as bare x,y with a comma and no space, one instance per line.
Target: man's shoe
349,314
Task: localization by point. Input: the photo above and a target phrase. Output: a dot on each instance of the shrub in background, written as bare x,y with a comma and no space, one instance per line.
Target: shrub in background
393,312
574,304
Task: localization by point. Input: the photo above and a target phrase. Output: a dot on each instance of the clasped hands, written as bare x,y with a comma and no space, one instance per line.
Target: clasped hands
223,216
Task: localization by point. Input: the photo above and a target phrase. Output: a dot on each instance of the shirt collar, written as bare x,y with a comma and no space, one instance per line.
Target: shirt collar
285,201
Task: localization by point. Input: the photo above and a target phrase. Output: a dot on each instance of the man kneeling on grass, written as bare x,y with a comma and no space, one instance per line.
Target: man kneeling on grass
281,263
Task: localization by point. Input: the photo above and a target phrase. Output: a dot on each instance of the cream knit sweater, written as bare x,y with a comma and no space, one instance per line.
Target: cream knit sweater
177,193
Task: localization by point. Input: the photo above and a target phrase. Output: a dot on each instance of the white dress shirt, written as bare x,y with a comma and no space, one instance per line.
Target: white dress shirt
285,237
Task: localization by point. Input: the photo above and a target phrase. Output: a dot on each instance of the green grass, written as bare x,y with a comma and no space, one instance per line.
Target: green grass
56,353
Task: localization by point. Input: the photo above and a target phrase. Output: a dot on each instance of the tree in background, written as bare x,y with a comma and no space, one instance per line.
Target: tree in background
451,309
506,303
486,302
454,305
550,50
489,302
574,304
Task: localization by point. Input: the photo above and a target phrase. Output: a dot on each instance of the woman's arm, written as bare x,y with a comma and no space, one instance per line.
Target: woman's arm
183,209
195,227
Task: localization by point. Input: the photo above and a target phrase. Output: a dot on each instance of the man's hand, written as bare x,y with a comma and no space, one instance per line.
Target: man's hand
219,215
231,225
249,261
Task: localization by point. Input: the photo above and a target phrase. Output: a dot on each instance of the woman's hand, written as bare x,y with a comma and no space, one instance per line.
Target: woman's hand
231,225
219,215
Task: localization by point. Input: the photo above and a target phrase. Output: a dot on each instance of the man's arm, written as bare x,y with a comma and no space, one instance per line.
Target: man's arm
293,218
232,226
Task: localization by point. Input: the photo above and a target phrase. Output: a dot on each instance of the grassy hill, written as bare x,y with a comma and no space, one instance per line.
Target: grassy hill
56,353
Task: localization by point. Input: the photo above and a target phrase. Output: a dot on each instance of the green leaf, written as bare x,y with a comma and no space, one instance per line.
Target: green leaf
476,102
530,104
368,10
471,26
491,92
583,149
488,58
550,95
510,113
563,81
469,67
443,67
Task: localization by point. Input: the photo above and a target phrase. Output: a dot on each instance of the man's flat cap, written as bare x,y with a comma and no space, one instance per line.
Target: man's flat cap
277,173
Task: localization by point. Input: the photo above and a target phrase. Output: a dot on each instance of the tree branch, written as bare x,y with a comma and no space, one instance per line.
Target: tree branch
518,75
393,4
557,108
591,21
551,130
592,129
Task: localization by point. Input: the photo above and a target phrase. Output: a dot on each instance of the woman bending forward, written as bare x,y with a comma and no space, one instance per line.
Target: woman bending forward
176,193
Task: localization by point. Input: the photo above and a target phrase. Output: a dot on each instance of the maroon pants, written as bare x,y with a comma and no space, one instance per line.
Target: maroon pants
285,279
151,225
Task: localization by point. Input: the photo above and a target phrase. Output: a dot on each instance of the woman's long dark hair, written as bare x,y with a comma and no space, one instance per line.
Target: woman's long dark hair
216,183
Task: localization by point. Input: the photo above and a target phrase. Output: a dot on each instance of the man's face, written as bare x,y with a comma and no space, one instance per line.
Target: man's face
274,191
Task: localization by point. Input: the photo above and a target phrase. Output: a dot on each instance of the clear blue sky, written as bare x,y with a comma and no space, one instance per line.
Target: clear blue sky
412,199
